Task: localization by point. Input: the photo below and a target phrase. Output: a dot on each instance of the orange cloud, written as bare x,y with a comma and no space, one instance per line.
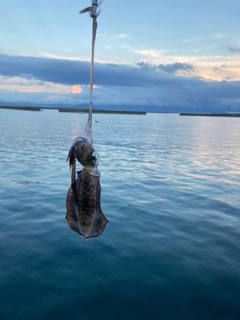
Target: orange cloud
76,90
27,90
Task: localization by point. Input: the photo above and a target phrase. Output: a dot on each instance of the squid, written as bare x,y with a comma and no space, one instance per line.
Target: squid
84,213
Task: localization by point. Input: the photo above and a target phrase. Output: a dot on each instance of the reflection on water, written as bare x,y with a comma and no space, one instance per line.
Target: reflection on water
170,187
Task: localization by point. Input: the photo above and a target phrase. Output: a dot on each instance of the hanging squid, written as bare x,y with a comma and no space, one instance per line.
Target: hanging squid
84,213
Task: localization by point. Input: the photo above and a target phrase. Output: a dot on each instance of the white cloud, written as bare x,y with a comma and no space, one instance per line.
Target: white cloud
193,39
149,53
219,35
61,56
121,36
33,85
70,51
204,65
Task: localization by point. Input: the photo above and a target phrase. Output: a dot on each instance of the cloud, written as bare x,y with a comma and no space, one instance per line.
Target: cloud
203,65
219,35
67,72
152,53
23,84
121,36
77,72
173,68
142,84
193,39
213,36
168,68
234,49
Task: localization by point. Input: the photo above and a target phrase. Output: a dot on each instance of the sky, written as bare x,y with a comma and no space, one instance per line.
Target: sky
162,54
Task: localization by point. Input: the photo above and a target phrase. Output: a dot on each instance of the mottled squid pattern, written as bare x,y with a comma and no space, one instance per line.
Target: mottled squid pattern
84,213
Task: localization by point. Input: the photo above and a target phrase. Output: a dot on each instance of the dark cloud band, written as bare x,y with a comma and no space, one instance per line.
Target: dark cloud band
72,72
161,80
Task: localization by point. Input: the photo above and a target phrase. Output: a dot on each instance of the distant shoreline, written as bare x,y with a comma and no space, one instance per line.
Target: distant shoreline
101,111
236,115
76,110
73,110
22,108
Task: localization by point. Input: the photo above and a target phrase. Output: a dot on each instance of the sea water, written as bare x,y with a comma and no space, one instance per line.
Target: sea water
171,192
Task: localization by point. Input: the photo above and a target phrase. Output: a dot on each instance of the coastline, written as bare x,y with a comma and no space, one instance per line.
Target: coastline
21,108
101,111
73,110
231,115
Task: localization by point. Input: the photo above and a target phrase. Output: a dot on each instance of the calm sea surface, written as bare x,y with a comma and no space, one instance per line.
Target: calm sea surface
171,190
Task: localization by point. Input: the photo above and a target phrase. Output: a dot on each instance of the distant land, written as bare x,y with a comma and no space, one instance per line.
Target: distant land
102,111
129,109
73,110
80,108
211,114
21,108
77,110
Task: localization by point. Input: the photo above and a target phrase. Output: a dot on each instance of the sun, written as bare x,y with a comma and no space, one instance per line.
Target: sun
76,90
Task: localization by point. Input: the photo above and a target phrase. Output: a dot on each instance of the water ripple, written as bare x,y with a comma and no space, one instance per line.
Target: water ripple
170,188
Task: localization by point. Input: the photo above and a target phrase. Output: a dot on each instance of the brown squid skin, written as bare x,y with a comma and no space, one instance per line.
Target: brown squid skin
84,213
